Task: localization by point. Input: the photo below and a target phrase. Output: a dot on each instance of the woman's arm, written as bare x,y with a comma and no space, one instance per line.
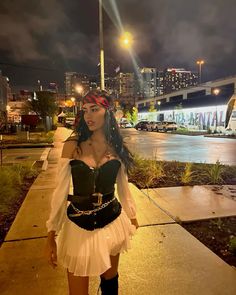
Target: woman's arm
124,193
59,197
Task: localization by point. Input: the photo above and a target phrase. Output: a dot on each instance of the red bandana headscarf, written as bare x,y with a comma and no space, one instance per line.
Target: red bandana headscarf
99,100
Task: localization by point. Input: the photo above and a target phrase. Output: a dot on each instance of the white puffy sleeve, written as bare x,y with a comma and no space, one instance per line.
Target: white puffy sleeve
59,198
124,193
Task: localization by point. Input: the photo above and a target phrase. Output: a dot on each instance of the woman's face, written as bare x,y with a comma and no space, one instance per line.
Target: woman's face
94,116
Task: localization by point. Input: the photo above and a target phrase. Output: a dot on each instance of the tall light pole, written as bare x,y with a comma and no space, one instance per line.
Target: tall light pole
79,89
101,46
73,104
216,91
200,63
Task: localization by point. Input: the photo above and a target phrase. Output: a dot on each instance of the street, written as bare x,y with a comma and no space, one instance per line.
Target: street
161,146
167,146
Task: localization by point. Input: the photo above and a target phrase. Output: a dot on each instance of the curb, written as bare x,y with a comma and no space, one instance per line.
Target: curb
220,136
44,158
19,146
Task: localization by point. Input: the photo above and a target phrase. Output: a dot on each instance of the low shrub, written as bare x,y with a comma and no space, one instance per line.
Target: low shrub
11,182
187,175
151,173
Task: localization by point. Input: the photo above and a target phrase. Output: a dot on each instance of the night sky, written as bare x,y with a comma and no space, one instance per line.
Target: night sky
45,38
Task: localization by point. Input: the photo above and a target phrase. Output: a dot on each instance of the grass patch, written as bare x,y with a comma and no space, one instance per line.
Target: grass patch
34,137
14,182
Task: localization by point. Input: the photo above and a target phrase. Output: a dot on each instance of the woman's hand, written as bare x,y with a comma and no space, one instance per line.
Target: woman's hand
51,251
134,221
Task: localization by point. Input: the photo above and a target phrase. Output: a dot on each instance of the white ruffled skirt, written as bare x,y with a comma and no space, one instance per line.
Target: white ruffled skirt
87,253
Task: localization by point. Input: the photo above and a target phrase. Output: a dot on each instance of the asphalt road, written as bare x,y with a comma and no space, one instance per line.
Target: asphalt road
167,146
160,146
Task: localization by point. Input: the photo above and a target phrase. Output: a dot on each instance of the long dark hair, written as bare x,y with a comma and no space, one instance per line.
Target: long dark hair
111,131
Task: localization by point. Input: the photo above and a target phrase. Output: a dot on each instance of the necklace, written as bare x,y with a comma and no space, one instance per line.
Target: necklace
107,154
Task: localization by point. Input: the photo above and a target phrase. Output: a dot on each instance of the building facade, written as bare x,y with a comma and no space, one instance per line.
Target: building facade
68,82
126,84
147,82
197,108
175,79
5,94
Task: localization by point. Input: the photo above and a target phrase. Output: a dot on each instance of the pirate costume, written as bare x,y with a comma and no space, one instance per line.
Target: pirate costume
92,224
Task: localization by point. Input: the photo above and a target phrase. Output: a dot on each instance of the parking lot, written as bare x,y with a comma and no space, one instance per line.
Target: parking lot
168,146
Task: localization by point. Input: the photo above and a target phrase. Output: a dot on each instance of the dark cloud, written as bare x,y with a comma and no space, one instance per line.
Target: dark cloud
63,35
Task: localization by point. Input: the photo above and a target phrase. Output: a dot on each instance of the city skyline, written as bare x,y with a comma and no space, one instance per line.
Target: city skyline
50,38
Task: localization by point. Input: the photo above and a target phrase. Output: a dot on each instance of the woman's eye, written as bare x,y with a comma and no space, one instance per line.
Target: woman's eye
95,110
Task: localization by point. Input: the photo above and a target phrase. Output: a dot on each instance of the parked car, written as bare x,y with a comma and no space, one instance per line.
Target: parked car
142,125
69,122
152,125
166,126
125,125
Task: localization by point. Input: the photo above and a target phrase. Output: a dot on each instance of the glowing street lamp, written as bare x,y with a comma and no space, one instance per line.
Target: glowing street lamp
79,89
216,91
73,101
200,63
126,40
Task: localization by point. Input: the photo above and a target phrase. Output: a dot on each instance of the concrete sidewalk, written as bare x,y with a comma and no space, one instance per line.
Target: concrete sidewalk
165,259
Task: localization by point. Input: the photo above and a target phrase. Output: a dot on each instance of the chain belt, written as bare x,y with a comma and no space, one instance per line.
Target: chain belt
89,212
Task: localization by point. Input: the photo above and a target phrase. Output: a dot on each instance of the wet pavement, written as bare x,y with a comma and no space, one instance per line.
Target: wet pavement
168,147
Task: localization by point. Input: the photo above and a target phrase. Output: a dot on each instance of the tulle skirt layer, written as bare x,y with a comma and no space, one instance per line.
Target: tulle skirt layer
87,253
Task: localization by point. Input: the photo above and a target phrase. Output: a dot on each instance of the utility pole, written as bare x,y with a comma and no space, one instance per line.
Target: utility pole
101,46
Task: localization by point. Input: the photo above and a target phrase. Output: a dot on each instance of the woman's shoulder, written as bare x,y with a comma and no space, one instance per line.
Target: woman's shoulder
70,145
72,137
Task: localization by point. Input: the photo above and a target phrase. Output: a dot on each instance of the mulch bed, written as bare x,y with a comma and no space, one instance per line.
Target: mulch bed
215,234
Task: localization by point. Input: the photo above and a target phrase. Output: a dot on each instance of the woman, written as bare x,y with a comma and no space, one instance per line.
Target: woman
94,229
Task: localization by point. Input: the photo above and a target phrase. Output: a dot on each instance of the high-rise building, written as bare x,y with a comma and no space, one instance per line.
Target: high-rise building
126,84
4,95
160,83
175,79
76,83
111,85
68,82
146,82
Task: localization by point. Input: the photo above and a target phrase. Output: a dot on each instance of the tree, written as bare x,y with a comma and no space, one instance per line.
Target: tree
134,115
44,105
152,107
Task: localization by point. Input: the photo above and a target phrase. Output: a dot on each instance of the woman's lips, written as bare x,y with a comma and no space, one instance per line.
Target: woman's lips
90,123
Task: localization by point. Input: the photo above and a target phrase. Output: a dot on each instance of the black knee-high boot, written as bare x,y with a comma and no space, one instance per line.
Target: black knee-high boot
109,287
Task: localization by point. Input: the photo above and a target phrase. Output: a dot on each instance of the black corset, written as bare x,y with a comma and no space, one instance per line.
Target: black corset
87,180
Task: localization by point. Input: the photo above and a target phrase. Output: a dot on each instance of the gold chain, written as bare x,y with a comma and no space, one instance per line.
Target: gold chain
89,212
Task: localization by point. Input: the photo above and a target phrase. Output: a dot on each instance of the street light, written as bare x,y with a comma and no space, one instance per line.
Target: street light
73,106
126,40
200,63
79,89
216,91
